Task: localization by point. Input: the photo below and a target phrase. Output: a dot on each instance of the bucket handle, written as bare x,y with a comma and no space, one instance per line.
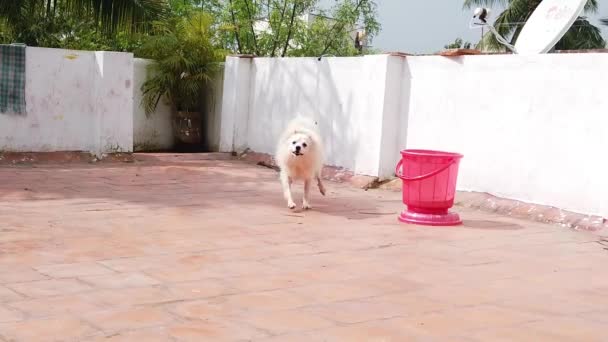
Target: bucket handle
417,178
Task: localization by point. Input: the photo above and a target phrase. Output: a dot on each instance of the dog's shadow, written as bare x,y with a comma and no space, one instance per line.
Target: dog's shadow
355,207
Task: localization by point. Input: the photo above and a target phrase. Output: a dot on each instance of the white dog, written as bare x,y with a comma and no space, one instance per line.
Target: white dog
299,156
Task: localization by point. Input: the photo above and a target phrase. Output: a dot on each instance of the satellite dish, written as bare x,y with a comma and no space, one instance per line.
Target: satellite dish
547,25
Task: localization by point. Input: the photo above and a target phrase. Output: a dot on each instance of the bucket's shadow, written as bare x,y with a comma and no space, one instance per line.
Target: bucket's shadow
490,225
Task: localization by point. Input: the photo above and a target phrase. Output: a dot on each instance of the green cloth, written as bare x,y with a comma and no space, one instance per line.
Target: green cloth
12,79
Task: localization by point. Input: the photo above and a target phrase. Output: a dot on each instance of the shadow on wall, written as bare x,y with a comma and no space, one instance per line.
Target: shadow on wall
285,88
212,111
395,113
360,103
405,95
152,132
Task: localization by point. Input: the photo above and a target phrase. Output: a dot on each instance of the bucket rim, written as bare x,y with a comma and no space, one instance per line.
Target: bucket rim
430,153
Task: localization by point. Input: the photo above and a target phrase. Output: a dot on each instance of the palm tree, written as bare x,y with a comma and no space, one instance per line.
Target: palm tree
131,15
582,35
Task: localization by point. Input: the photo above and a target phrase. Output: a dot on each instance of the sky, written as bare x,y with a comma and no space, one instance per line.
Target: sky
425,26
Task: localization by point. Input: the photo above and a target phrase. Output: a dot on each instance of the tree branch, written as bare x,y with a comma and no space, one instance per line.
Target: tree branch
236,28
332,36
255,41
531,8
293,15
277,36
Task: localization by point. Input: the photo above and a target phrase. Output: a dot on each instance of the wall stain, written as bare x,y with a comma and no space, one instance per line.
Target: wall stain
71,56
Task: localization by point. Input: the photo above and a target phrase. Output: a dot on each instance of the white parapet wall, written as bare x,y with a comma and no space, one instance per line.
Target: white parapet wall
346,96
75,101
531,128
85,101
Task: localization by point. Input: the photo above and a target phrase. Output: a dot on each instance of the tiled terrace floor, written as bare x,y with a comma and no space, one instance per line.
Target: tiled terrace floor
184,249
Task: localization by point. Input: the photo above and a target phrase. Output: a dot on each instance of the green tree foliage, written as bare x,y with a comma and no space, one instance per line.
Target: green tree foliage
458,44
185,57
111,15
260,27
582,34
79,24
279,27
604,22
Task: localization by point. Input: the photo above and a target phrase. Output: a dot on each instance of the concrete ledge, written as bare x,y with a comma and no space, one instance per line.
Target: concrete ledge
17,158
519,209
530,211
459,52
474,200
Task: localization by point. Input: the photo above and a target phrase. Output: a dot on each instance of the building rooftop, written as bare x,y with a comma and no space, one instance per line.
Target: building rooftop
201,247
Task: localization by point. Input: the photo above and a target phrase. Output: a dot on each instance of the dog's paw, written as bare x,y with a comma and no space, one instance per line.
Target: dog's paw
306,206
322,190
291,205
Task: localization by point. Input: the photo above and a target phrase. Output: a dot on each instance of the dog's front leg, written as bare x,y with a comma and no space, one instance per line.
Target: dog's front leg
306,201
286,183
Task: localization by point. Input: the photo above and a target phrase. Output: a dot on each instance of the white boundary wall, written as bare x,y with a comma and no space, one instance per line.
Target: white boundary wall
345,95
531,128
85,101
75,101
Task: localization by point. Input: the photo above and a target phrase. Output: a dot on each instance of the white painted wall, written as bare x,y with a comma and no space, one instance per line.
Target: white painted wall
75,101
150,132
113,102
235,104
531,128
345,95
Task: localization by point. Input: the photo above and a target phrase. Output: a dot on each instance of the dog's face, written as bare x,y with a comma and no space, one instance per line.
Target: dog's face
299,144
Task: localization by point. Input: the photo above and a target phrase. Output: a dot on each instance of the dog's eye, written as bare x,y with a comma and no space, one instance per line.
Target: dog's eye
293,142
304,145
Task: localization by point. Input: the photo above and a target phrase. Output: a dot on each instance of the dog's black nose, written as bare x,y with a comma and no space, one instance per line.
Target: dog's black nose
298,148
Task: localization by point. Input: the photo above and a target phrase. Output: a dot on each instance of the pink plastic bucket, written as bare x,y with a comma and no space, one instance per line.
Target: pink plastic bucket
429,186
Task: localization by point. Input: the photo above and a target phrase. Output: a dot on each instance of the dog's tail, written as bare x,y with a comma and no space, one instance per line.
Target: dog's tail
303,125
320,185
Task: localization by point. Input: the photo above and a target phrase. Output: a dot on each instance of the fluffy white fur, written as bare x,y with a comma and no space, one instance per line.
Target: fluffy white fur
299,156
